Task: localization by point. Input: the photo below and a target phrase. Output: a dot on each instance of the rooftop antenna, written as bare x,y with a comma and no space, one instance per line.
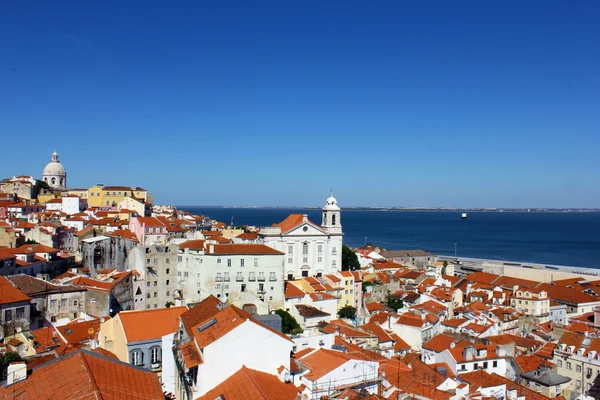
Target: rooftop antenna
231,224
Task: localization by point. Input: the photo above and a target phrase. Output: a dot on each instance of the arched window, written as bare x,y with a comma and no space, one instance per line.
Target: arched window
61,181
305,248
324,218
155,355
333,219
54,181
136,357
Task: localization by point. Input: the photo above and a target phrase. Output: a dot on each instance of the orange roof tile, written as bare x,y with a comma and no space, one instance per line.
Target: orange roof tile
150,324
197,245
293,292
248,384
84,374
257,249
9,293
202,311
439,343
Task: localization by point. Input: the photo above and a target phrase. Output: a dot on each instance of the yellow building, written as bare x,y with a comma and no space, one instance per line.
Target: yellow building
81,193
111,196
348,293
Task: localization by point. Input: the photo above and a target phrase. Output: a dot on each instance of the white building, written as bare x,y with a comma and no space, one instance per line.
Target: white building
55,174
236,273
72,205
309,249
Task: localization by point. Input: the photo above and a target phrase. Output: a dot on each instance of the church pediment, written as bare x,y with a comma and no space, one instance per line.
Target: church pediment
306,229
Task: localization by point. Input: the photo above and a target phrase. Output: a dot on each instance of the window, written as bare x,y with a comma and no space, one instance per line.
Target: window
218,286
148,295
290,249
495,364
569,365
155,261
304,274
256,262
290,277
272,276
178,273
319,259
229,262
243,287
167,269
589,370
304,248
252,276
333,219
320,249
241,262
485,364
93,300
136,357
20,312
155,294
8,315
179,259
155,355
333,263
227,276
185,274
155,283
168,293
290,260
63,302
148,284
75,303
219,260
559,363
578,383
476,366
334,251
578,368
463,367
167,282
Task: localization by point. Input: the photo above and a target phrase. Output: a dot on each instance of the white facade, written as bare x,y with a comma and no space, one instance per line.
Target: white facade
248,344
309,249
72,205
235,273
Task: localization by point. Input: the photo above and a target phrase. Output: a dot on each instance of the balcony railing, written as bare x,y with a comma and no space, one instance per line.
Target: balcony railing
261,278
261,291
156,365
272,278
239,279
227,279
252,278
219,279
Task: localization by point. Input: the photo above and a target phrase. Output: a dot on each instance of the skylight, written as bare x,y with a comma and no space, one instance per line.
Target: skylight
207,325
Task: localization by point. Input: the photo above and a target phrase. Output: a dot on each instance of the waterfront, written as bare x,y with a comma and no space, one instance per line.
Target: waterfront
546,238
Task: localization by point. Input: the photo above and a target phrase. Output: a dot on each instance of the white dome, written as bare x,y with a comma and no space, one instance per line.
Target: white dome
54,169
331,204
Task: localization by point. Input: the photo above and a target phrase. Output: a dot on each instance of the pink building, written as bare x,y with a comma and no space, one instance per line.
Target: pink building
148,230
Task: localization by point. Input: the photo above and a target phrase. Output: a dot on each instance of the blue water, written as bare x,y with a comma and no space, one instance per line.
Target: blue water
548,238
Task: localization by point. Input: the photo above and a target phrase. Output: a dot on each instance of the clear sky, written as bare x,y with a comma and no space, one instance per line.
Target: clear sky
421,103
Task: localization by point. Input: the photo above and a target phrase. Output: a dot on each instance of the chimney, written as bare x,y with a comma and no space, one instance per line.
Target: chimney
304,218
211,249
468,353
17,371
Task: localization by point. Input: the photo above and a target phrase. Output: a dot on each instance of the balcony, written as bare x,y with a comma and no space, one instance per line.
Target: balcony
252,278
261,278
219,279
239,279
261,291
227,279
272,279
156,366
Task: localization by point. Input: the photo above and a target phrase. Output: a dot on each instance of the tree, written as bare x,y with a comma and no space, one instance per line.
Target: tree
169,304
5,361
365,285
289,325
347,312
349,259
393,303
31,241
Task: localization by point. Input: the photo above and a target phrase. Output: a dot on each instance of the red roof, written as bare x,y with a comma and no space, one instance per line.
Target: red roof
248,384
293,292
254,249
84,374
9,293
150,324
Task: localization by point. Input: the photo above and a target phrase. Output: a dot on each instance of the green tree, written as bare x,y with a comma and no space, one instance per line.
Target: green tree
5,361
31,241
365,285
289,325
393,303
169,304
347,312
349,259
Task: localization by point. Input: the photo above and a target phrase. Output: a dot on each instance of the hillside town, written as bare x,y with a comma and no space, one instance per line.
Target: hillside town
105,293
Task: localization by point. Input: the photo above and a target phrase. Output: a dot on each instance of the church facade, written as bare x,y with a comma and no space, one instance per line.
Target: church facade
310,249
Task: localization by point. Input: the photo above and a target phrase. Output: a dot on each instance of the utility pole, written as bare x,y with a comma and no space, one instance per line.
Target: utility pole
455,251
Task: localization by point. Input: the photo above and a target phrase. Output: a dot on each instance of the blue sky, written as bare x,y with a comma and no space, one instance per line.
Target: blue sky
489,104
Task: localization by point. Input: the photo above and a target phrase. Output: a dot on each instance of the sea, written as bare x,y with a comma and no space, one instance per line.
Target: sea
555,238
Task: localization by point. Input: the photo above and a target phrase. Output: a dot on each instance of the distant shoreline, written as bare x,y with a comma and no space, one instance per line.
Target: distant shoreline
413,209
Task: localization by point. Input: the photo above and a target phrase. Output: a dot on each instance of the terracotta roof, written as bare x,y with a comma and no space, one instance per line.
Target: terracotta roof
202,311
84,374
293,292
76,332
482,277
213,328
323,361
439,343
382,335
34,286
481,379
375,306
150,324
197,245
9,293
321,296
249,384
256,249
310,312
410,319
191,355
387,265
454,322
531,362
293,221
149,221
247,236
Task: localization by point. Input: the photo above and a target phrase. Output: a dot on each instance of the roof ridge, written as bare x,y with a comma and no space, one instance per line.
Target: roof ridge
252,379
86,367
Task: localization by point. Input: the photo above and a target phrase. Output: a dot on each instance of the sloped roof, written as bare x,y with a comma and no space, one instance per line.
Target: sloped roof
9,293
239,248
86,375
249,384
310,312
150,324
202,311
32,286
293,221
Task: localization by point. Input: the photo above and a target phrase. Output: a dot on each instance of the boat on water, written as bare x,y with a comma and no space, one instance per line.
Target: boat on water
464,216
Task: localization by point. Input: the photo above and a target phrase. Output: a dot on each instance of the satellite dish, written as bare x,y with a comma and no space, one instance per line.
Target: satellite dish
102,320
91,331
